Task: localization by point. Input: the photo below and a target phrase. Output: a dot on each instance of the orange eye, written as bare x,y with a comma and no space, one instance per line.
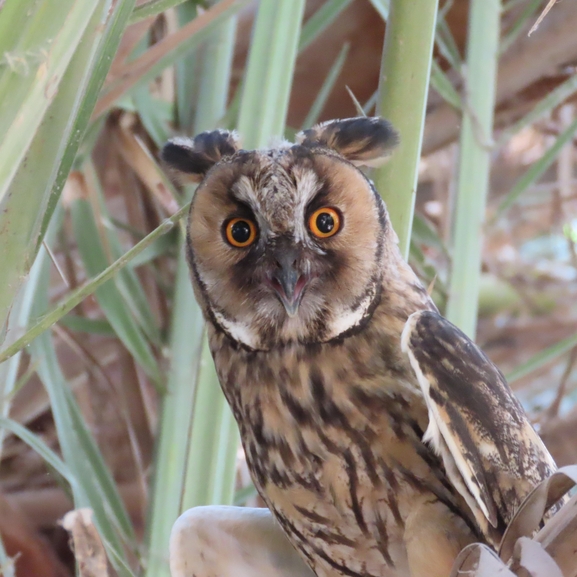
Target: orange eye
240,232
325,222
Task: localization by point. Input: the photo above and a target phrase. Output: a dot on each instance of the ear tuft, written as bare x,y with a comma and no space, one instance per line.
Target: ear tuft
192,158
364,141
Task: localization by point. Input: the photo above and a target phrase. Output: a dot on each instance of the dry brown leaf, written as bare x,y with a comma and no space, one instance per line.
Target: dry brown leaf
138,157
29,554
527,519
552,552
88,548
431,285
531,556
128,75
478,560
559,538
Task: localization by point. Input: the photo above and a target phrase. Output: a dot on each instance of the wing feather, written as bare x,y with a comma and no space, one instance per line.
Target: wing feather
491,453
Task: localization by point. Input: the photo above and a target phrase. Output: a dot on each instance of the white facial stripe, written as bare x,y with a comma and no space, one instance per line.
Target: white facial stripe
308,185
244,190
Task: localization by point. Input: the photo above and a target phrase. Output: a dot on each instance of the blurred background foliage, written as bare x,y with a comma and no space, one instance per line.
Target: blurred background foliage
108,396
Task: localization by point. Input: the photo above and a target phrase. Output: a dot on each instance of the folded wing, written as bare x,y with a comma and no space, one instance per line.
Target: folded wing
489,449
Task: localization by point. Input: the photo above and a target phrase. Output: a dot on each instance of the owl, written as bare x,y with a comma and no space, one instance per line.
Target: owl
379,435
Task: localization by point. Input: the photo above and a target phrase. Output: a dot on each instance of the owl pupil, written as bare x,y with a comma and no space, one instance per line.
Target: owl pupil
240,231
325,222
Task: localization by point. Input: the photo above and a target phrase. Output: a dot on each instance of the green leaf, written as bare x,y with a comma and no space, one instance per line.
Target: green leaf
270,69
167,244
85,325
94,486
425,233
214,442
215,71
154,113
40,447
327,87
193,395
108,295
370,103
320,21
187,75
535,171
441,83
127,281
176,419
36,186
17,322
166,52
447,45
153,8
382,7
78,449
83,128
556,97
543,358
79,294
35,61
427,272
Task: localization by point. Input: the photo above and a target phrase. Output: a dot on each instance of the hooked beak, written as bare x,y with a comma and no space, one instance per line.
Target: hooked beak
288,282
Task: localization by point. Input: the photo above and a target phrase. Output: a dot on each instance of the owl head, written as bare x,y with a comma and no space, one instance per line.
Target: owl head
287,244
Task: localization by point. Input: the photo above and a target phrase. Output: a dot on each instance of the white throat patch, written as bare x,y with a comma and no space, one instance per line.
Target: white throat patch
238,331
346,320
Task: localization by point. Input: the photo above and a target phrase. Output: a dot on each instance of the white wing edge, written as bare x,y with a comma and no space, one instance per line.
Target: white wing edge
440,438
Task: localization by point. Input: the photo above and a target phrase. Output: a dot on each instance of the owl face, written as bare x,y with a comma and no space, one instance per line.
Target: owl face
287,244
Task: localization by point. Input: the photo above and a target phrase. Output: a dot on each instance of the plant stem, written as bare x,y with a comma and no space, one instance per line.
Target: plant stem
474,165
404,86
192,441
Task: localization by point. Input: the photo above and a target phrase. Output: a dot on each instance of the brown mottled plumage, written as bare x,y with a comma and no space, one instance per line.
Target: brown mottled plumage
378,455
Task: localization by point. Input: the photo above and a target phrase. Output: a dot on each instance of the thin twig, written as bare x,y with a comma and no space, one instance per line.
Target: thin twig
553,409
542,16
56,265
572,250
432,285
357,104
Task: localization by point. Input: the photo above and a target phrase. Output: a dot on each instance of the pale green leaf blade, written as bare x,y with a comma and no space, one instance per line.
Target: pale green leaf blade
441,83
536,170
270,69
79,294
542,358
320,21
46,48
556,97
327,87
39,446
109,297
27,210
79,450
